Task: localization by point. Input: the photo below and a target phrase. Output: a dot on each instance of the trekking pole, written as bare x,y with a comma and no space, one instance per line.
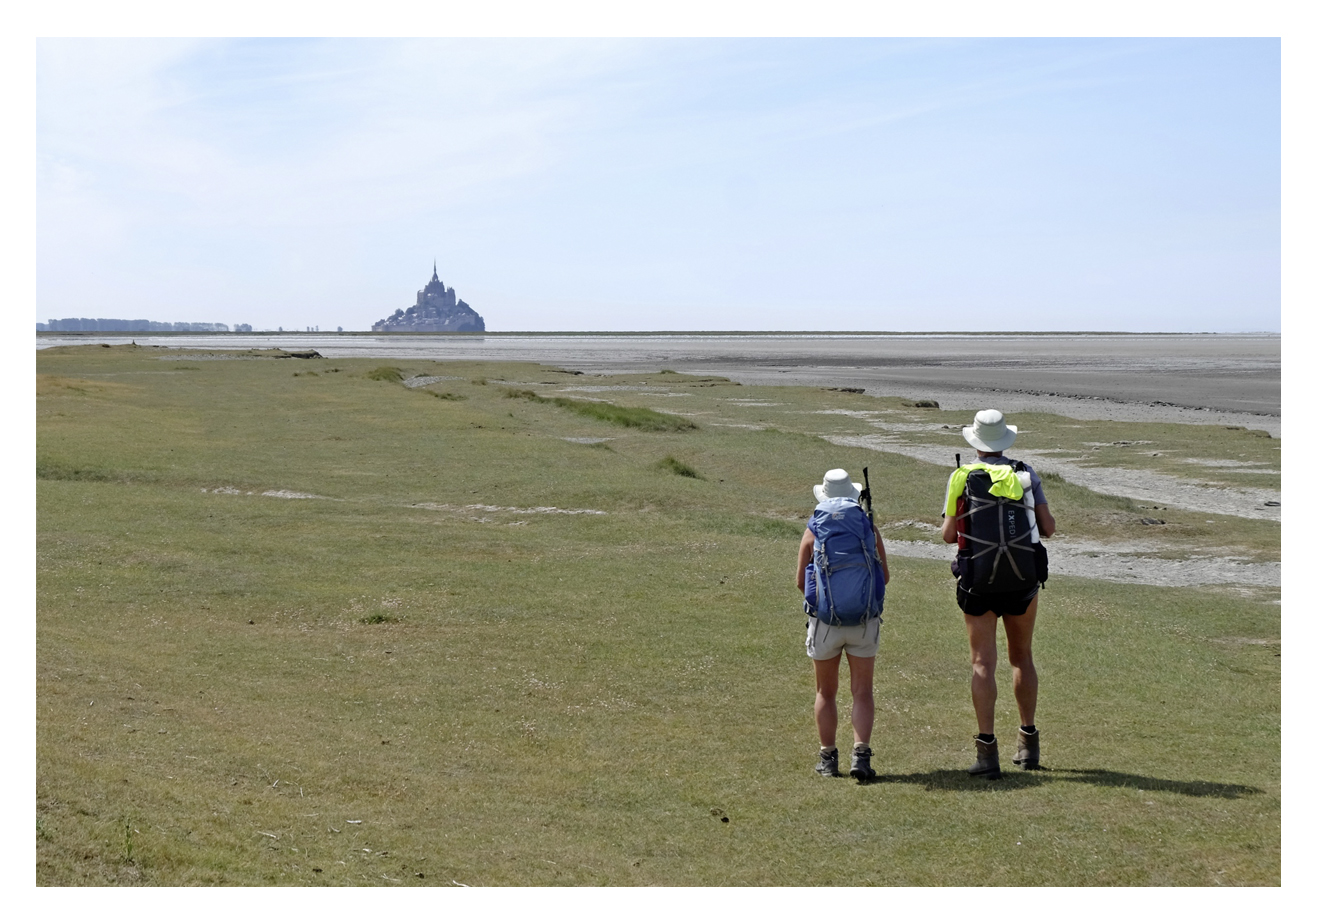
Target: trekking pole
958,466
867,497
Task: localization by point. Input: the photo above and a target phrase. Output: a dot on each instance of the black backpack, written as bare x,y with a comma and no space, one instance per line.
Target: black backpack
998,553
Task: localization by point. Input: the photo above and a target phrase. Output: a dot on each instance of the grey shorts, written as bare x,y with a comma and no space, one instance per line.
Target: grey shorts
824,642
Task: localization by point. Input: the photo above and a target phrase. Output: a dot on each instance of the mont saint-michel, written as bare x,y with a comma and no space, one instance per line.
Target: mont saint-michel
437,310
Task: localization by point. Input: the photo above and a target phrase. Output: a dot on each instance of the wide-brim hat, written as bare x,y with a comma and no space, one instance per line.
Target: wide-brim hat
989,432
837,485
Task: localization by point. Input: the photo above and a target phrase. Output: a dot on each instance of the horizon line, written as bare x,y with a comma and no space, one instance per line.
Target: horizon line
667,332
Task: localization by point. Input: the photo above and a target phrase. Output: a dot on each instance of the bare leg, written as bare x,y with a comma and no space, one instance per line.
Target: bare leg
826,677
983,632
862,697
1020,652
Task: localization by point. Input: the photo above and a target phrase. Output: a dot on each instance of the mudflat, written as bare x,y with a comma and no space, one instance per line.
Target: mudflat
1208,378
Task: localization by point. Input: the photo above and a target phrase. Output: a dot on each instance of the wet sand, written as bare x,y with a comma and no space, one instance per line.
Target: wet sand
1216,379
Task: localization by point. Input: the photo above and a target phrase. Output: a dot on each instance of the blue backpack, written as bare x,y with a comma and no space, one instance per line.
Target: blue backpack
844,582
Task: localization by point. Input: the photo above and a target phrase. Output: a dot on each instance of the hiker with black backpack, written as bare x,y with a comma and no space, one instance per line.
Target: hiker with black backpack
996,513
842,569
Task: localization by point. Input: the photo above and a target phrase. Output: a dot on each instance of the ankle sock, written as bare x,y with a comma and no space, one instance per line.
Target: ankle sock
987,737
832,749
1029,730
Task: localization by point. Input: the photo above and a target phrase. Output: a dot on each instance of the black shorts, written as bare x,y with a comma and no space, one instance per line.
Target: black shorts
1009,604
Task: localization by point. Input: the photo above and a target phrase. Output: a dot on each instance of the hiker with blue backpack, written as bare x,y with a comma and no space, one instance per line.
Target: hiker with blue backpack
842,569
995,512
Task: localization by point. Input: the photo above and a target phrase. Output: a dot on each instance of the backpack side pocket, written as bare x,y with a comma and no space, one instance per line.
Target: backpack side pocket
811,589
1041,562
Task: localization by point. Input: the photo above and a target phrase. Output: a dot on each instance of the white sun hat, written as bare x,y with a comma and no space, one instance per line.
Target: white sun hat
837,485
990,433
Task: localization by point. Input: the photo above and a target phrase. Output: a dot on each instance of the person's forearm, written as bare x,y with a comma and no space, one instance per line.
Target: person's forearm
1044,519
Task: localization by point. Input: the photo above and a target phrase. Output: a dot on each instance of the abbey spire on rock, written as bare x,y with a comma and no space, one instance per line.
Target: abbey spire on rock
437,310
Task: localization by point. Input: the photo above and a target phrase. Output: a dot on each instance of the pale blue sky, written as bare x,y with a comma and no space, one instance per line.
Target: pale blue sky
848,184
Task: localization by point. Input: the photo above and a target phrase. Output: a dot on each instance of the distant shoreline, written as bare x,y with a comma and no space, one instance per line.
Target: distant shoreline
256,334
1213,378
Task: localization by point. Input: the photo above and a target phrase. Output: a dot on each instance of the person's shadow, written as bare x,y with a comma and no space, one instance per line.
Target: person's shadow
1016,780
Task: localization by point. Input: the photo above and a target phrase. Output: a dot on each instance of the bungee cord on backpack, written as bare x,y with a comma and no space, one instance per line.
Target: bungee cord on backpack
1002,546
1009,533
844,580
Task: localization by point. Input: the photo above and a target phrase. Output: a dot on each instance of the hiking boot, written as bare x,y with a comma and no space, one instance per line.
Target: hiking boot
827,766
1027,750
860,765
986,760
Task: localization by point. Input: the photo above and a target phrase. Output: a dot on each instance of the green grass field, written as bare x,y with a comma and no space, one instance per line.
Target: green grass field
299,623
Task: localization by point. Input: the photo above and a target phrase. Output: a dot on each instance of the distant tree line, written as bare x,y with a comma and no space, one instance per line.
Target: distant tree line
102,325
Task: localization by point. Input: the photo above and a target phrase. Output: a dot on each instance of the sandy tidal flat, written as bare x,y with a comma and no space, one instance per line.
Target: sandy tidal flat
1203,378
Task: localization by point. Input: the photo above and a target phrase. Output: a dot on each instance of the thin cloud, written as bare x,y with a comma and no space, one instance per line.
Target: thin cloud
620,184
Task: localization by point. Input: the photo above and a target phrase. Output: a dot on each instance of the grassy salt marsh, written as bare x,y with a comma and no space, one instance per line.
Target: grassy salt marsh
301,623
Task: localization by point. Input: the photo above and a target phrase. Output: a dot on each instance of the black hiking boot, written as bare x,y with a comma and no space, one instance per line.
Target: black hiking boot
986,760
860,765
827,766
1027,750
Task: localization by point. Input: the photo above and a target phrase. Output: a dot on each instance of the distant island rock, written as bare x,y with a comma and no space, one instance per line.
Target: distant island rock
437,310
